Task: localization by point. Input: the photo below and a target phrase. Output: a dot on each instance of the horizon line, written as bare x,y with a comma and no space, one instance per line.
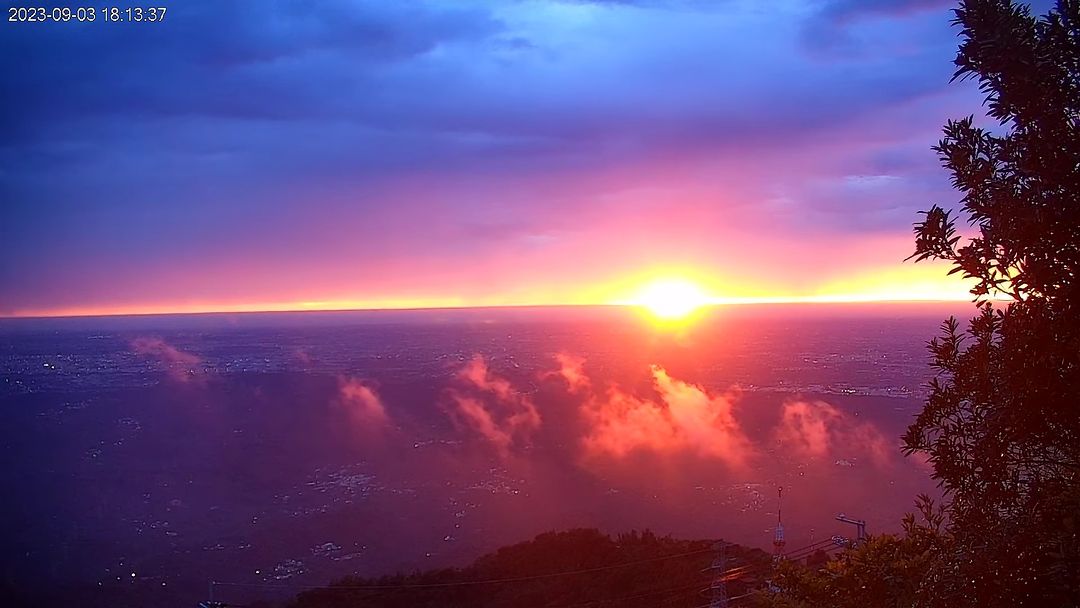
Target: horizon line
711,304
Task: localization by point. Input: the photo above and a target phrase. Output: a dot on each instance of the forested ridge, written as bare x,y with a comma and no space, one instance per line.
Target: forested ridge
581,567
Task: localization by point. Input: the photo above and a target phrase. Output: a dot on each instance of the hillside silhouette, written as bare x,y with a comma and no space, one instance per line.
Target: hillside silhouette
580,567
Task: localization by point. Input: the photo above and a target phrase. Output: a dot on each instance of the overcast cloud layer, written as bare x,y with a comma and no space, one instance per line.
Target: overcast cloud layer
486,152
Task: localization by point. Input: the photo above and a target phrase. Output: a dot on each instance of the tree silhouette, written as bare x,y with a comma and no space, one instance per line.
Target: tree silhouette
1001,426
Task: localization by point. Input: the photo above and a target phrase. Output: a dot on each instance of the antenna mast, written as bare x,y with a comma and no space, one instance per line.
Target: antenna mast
778,539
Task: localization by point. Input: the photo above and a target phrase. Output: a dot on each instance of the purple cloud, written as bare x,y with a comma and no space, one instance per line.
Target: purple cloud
257,144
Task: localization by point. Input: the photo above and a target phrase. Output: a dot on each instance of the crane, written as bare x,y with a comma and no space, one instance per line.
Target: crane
860,526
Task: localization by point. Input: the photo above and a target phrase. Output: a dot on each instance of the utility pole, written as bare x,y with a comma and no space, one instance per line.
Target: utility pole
210,603
778,540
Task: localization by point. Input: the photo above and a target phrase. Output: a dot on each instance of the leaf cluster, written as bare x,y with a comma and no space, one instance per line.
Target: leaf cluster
1001,425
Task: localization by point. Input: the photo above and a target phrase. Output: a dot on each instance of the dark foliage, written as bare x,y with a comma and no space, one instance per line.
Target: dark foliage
884,572
1001,426
636,569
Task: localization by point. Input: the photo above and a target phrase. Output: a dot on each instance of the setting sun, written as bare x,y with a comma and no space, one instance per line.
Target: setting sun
672,298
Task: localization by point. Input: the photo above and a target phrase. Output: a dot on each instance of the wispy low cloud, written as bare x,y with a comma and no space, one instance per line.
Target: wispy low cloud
181,366
489,405
679,416
620,423
303,357
362,403
572,371
686,417
820,429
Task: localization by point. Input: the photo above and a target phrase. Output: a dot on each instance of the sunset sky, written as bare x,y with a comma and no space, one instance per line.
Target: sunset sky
247,156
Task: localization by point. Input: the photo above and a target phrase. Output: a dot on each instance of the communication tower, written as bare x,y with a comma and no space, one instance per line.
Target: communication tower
778,540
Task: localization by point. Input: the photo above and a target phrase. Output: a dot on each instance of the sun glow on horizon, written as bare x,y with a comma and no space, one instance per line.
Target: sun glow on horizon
668,295
672,299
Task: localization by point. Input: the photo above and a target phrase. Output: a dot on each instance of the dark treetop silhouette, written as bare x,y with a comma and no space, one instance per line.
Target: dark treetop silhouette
1001,426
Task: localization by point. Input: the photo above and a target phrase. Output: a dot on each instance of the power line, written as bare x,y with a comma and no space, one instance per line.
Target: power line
730,599
677,591
802,552
692,586
459,583
827,545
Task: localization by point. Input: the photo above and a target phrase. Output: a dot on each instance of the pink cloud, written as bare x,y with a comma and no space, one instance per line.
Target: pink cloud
361,402
490,406
472,413
181,366
620,423
818,429
572,371
686,417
